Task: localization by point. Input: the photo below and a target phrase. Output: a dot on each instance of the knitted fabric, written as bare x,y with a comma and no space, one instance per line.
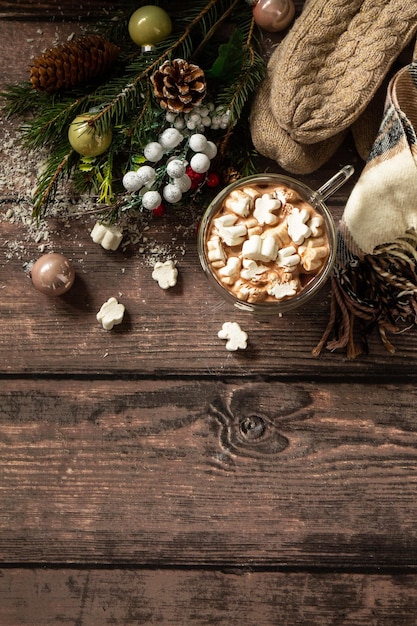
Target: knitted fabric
375,279
365,128
333,60
272,141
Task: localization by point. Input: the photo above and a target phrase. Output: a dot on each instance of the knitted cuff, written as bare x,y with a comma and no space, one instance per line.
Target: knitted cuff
332,61
365,128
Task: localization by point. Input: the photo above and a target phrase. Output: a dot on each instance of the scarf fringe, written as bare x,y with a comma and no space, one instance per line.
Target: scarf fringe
377,291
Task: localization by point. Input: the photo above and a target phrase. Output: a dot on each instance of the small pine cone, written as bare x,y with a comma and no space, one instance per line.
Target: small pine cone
179,86
230,175
74,63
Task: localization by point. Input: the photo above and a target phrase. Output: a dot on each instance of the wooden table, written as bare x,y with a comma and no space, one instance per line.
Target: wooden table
149,476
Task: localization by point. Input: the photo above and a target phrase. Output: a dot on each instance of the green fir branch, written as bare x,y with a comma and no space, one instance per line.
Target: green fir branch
236,96
20,99
124,101
58,167
51,123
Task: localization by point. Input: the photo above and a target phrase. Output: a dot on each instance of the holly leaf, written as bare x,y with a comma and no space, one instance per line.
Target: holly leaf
87,164
228,63
137,160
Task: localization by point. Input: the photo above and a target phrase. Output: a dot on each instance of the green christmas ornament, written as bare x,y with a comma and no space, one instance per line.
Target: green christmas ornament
149,25
85,139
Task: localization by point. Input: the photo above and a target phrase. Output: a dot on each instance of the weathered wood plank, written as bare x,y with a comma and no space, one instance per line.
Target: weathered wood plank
164,332
200,473
177,598
62,10
192,473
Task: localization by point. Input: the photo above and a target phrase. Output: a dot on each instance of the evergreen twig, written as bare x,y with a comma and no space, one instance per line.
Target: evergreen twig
58,166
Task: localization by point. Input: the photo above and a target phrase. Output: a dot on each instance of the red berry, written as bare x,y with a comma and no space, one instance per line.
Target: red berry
159,211
196,177
212,179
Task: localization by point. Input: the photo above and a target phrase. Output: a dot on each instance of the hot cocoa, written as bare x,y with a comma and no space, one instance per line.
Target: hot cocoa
265,243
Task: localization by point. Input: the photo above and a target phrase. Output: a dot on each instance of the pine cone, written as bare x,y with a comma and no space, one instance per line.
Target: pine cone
179,86
71,64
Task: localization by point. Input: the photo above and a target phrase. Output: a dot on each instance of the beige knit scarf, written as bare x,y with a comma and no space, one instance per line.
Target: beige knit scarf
375,279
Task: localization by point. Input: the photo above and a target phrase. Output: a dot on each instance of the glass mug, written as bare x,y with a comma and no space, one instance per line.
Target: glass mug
266,184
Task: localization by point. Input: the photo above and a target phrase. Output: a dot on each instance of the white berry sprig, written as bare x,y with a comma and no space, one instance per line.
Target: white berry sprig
174,164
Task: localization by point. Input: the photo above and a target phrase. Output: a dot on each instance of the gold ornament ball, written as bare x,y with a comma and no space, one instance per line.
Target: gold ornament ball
149,25
85,139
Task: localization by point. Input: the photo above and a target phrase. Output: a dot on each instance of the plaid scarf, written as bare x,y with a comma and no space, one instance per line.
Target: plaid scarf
374,284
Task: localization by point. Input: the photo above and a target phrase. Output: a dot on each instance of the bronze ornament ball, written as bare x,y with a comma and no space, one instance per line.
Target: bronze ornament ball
273,15
52,274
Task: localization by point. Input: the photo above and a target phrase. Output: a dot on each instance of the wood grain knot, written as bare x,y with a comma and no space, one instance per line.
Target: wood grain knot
252,427
247,427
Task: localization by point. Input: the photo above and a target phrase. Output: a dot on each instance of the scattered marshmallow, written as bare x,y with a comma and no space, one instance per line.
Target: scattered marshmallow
235,336
316,225
239,202
288,257
251,270
230,272
229,233
165,274
111,313
283,290
312,257
108,236
215,252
